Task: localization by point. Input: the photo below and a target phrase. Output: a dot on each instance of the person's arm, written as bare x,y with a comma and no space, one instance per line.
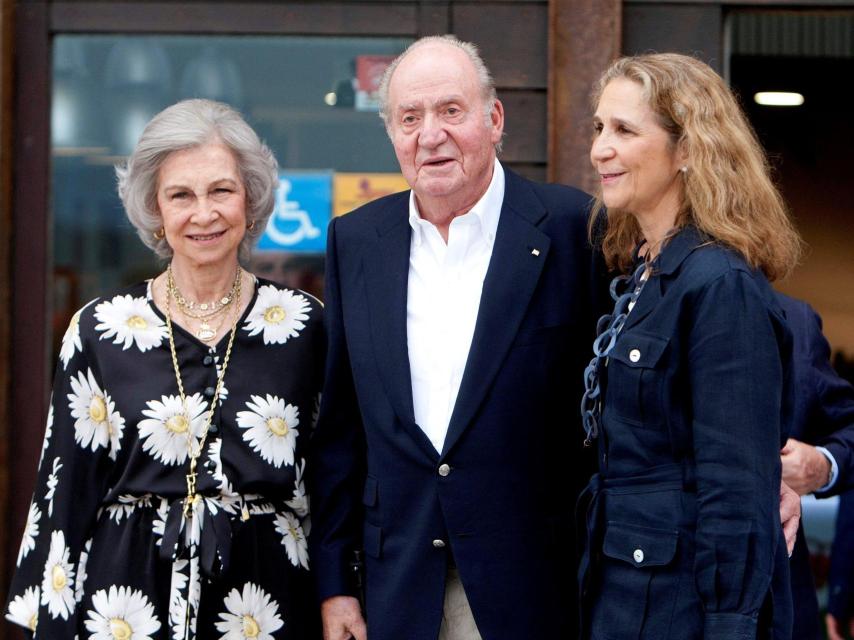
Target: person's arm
337,473
82,438
736,381
826,469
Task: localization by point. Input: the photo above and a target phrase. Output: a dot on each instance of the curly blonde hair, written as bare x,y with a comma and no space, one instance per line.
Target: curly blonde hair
727,191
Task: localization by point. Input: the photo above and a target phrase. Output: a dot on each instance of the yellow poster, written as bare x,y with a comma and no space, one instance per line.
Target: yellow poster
352,190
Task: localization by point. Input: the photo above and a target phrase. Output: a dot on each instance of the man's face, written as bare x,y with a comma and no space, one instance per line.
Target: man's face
443,139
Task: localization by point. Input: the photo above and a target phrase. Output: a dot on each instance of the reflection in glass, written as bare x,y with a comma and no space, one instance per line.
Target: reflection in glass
106,88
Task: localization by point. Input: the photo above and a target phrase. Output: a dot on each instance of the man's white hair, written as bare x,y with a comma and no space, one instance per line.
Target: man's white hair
484,77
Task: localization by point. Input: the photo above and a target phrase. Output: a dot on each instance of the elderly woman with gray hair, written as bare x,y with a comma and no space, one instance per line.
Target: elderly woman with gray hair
170,500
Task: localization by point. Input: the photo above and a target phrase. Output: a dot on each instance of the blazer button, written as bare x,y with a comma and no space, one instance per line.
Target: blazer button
638,555
209,392
444,470
634,355
208,360
439,544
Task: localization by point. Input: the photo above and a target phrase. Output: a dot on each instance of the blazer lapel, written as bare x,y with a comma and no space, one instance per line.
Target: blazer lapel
518,256
386,281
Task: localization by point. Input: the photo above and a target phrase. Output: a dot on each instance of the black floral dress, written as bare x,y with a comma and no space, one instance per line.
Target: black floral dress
107,553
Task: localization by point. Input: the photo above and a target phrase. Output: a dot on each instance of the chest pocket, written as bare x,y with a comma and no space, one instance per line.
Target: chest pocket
636,379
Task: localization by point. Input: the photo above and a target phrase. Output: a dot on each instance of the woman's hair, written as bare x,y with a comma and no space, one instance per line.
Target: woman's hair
727,190
186,125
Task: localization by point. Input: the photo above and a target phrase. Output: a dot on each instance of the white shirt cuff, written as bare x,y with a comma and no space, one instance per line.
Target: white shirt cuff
834,470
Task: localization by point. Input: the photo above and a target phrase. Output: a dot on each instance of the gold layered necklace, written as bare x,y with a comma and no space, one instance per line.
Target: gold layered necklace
204,312
194,451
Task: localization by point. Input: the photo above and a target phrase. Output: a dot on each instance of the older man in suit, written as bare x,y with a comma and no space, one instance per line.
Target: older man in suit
459,317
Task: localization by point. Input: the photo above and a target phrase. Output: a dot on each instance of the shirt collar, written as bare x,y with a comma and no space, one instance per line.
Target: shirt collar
486,210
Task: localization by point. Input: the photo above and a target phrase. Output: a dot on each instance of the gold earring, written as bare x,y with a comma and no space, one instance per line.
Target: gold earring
160,233
684,169
250,226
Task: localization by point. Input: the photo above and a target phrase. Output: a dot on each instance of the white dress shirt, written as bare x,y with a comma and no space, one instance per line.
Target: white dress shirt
445,283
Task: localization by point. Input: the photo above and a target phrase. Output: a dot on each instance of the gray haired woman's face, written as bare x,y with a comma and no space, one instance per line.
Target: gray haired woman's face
202,201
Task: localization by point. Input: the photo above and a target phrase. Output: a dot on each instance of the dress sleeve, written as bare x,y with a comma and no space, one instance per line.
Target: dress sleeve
737,374
337,458
82,438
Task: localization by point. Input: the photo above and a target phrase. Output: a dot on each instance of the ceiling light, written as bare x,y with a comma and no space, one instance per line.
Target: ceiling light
779,98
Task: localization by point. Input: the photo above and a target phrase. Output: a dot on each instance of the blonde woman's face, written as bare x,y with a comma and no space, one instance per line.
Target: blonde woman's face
637,162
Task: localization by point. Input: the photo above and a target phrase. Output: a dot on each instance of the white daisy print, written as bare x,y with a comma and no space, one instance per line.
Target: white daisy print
293,538
52,484
58,579
271,428
81,571
31,532
168,424
71,339
279,313
223,389
158,526
48,430
97,423
24,610
254,614
128,320
299,503
121,613
126,505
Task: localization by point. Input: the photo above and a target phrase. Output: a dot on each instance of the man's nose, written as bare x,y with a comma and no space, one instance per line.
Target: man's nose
432,132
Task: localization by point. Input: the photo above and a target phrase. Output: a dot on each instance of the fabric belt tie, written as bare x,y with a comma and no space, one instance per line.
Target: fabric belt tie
210,532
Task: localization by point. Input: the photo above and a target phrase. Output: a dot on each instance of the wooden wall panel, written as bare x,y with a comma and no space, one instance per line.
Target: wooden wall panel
692,29
524,126
512,38
315,18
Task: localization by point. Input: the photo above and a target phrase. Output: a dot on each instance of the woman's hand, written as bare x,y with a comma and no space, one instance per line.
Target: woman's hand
790,514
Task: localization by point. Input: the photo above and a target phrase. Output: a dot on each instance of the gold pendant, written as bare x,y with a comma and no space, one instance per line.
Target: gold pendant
205,333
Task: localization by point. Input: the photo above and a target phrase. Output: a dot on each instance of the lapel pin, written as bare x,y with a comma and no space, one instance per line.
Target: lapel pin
535,252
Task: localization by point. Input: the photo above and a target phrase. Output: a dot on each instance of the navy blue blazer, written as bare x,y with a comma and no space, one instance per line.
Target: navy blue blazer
502,507
823,414
685,527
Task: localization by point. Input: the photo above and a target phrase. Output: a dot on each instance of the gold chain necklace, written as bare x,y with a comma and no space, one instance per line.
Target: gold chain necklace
195,452
205,332
204,307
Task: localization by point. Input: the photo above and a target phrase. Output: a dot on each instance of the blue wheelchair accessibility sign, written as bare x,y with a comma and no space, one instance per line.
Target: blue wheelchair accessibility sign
302,211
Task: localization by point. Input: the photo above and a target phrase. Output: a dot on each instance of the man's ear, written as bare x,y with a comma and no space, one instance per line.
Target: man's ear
497,120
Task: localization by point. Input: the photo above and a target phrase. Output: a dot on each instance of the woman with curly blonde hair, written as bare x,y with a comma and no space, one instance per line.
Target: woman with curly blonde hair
687,394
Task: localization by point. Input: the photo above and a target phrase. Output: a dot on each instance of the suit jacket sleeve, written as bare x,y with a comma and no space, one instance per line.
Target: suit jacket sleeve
736,378
337,452
830,416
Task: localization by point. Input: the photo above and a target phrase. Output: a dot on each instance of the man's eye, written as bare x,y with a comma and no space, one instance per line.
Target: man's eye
408,120
179,195
597,127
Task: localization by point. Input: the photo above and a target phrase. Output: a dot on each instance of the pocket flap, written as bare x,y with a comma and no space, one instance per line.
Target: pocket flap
639,349
369,496
640,546
372,539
